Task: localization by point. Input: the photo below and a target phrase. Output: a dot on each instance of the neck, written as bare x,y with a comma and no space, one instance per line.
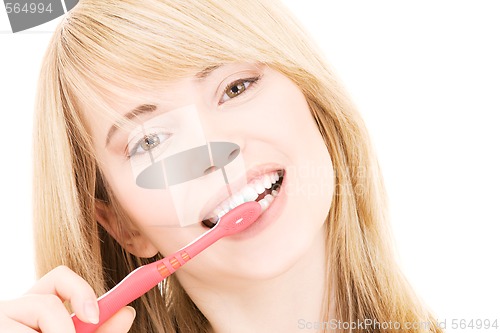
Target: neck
274,305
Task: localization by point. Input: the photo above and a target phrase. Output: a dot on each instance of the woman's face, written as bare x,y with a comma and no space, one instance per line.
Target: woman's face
267,116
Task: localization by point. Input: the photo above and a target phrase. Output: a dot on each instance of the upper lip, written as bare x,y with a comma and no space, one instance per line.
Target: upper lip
222,193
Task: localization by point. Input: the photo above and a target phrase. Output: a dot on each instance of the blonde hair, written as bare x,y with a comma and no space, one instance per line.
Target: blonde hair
103,45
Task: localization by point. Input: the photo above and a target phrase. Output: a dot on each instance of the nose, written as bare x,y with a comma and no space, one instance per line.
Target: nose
188,165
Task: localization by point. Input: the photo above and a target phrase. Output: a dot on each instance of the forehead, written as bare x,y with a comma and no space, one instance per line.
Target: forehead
121,106
117,100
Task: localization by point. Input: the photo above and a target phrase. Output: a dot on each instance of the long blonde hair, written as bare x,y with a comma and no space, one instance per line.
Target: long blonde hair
103,45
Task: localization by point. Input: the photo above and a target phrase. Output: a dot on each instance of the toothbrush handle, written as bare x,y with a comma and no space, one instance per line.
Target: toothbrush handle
140,281
133,286
146,277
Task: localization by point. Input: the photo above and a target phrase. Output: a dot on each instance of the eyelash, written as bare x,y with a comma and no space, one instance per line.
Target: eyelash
253,82
129,152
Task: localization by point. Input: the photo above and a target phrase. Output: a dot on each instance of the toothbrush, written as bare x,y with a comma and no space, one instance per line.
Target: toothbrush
146,277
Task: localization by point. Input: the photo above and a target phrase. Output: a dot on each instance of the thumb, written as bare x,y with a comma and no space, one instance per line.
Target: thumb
120,322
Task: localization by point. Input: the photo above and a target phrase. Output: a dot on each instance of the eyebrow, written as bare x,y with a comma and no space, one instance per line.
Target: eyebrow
150,108
136,112
206,71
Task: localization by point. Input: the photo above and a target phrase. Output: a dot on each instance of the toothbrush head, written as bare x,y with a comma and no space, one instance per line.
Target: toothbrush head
239,218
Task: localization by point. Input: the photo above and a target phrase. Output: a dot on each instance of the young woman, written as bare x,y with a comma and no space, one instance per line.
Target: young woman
320,257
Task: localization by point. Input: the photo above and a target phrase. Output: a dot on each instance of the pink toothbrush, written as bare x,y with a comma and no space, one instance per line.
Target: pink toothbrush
146,277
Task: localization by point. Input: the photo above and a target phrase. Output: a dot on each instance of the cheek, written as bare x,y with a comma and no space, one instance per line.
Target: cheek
153,212
279,115
146,207
310,175
280,122
288,125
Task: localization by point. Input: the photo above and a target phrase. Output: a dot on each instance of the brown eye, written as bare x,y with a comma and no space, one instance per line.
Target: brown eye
236,88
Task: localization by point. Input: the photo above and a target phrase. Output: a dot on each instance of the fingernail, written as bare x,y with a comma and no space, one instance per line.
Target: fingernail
91,311
131,309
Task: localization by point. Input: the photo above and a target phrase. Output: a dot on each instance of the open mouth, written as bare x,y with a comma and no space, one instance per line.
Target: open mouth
263,189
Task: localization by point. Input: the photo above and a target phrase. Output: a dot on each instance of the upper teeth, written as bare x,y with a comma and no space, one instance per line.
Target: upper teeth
249,193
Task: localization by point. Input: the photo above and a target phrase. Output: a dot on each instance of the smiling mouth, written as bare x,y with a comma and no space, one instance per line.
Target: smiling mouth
263,189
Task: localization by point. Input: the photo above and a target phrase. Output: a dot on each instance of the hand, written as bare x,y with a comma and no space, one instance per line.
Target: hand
41,309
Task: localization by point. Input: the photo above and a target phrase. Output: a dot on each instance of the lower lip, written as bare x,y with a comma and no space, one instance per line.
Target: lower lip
271,214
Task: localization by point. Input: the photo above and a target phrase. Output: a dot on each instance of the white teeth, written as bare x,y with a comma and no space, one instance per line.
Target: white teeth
236,200
225,210
264,204
267,182
259,188
275,177
249,194
239,198
218,211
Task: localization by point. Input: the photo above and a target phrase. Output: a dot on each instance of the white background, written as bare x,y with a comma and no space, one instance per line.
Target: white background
426,78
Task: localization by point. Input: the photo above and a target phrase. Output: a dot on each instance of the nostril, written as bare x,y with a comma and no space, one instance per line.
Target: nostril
210,170
232,155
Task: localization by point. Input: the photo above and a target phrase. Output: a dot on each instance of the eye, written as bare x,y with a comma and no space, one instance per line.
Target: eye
236,88
147,143
150,141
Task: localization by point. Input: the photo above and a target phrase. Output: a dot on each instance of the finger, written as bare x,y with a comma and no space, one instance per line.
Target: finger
120,322
45,313
8,325
69,286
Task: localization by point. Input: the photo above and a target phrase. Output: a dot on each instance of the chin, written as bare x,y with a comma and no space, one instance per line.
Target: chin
292,249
